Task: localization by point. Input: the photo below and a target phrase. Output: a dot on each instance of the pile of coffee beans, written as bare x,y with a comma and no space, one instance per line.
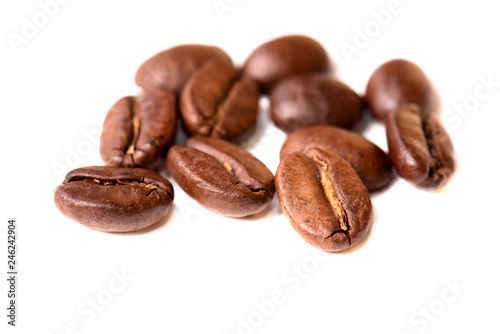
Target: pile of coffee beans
326,170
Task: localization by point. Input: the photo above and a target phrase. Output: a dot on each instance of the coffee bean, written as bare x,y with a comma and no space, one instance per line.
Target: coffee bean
324,199
284,56
217,103
221,176
314,99
399,82
172,68
368,160
139,129
419,147
113,199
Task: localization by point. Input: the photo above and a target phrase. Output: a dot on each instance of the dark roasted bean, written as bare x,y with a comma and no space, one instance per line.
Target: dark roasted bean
419,147
113,199
284,56
139,129
399,82
221,176
314,99
172,68
217,103
324,199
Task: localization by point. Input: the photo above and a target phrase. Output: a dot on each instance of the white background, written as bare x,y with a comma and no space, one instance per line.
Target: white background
202,273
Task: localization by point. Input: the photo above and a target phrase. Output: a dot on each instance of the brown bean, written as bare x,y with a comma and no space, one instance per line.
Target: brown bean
324,199
114,199
139,129
419,147
284,56
172,68
217,103
399,82
314,99
221,176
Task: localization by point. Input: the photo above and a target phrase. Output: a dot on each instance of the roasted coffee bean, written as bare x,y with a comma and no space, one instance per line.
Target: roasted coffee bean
284,56
217,103
399,82
172,68
368,160
221,176
139,129
314,99
324,199
113,199
419,147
